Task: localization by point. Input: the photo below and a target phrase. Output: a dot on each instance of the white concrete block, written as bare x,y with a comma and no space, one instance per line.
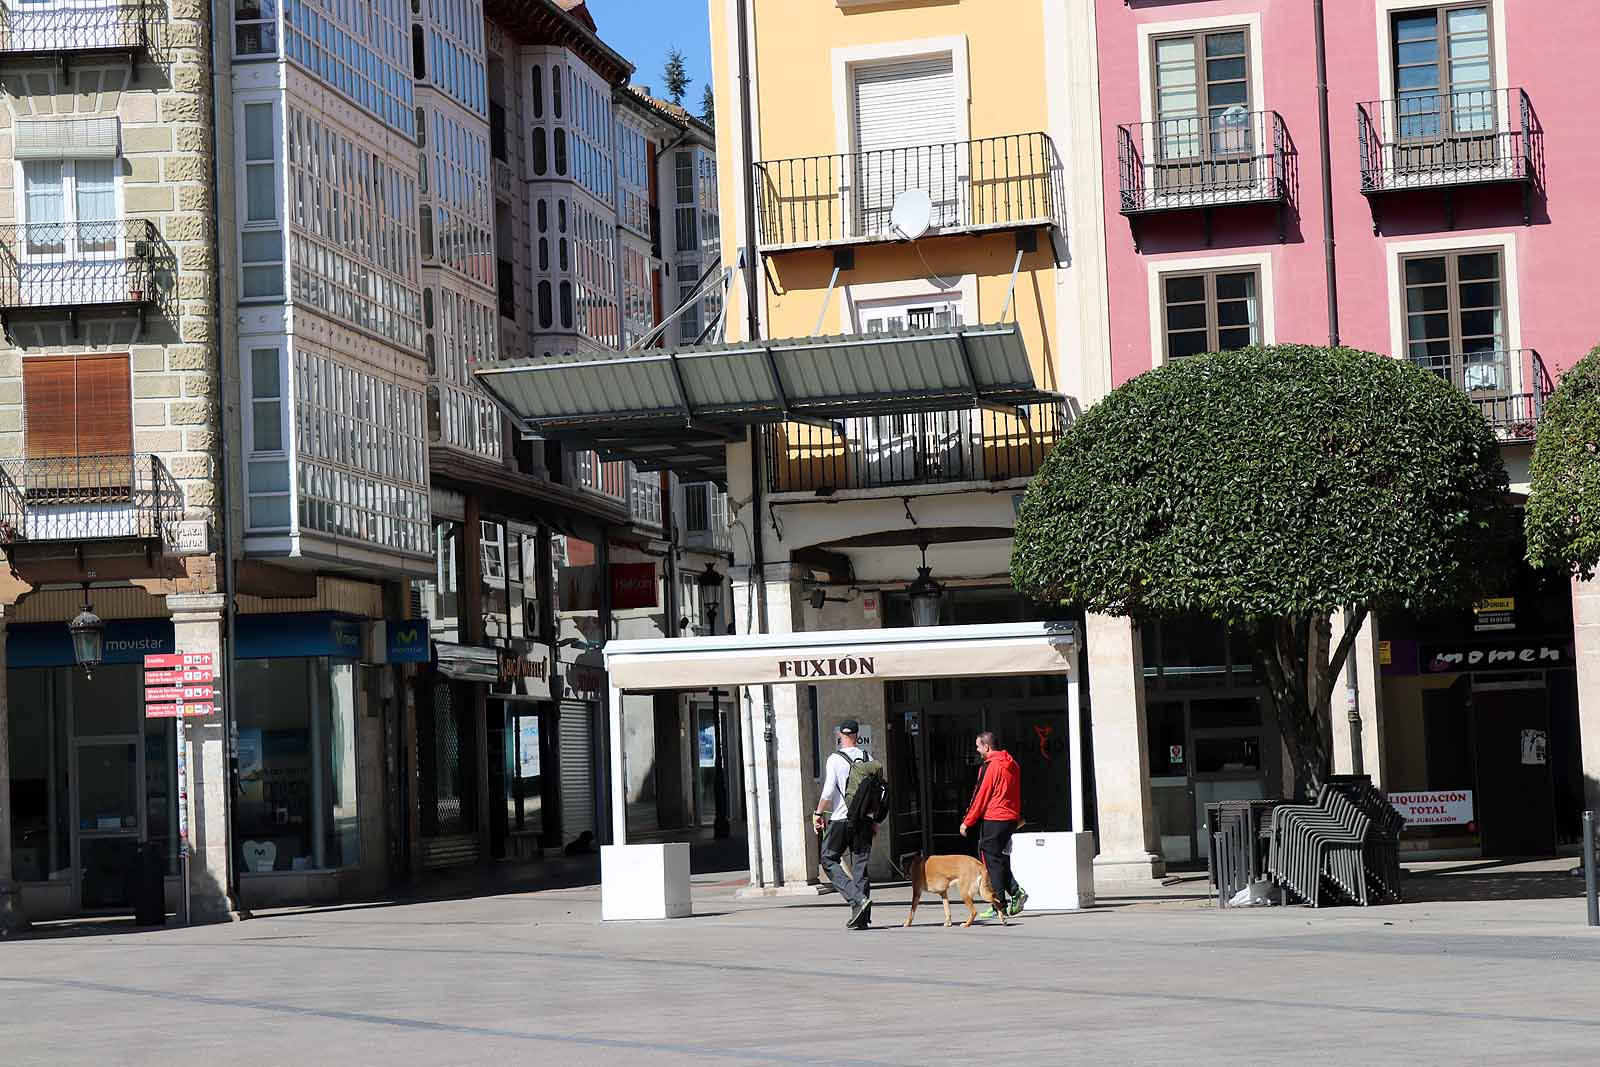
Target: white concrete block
1057,869
644,882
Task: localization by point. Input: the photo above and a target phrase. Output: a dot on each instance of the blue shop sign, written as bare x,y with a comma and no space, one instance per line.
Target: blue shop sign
299,635
49,645
408,641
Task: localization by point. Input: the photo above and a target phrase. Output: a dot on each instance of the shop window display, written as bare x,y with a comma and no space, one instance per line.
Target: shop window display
297,777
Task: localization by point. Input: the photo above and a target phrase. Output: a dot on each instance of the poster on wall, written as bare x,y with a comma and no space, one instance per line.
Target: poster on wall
1437,807
1534,748
1495,613
527,746
708,745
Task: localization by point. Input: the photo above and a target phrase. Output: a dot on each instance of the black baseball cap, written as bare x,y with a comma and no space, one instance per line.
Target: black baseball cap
849,726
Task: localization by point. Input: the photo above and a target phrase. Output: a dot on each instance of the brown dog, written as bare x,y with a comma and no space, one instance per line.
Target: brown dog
939,874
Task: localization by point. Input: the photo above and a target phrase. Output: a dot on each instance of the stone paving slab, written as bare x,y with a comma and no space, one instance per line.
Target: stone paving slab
535,978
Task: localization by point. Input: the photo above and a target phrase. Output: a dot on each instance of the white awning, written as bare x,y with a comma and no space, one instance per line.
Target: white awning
839,656
842,656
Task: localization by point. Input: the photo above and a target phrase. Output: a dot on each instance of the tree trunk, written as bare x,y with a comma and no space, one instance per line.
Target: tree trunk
1294,652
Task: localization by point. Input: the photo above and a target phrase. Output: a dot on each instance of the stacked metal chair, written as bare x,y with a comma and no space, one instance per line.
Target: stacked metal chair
1239,832
1381,852
1320,845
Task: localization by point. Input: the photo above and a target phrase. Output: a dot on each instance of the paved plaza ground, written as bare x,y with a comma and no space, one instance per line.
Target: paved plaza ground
535,978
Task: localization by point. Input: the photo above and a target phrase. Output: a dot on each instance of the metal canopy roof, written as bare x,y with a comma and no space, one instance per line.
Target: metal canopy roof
678,408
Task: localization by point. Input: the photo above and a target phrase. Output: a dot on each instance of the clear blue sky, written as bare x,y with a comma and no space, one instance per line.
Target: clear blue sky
643,31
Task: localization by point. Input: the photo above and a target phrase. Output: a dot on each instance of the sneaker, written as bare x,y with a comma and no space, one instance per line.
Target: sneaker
1015,907
988,914
860,915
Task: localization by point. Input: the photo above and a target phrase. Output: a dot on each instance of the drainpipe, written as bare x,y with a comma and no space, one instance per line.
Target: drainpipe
1329,266
229,571
758,549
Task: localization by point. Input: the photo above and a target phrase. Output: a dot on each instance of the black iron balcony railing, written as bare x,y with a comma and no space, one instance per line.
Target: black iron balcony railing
1510,387
126,496
1200,161
994,183
925,448
1445,140
83,264
34,29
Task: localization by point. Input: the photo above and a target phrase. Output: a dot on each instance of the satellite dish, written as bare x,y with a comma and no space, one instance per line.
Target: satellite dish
913,211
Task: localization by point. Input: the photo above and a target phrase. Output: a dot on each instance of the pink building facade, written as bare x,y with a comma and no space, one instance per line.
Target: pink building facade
1463,177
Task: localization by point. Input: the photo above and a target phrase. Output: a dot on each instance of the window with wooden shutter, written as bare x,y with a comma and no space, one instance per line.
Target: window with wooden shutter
78,415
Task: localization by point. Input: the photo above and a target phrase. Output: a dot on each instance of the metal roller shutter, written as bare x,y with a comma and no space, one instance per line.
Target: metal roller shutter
577,768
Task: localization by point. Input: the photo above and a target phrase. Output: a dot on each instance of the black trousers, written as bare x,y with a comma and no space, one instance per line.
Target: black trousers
993,837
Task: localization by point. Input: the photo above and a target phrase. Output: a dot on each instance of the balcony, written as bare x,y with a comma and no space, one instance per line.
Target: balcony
1443,142
62,30
62,517
705,518
1202,162
1510,387
925,448
77,266
992,184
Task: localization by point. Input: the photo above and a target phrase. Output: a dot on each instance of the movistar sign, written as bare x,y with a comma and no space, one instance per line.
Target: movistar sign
408,641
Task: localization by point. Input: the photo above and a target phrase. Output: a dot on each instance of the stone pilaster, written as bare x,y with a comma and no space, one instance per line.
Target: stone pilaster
197,627
12,919
1129,846
1586,639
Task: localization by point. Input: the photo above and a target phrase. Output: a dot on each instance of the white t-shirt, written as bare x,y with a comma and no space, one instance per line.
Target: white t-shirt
835,777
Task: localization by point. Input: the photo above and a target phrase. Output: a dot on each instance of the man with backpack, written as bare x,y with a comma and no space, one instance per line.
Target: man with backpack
996,808
854,800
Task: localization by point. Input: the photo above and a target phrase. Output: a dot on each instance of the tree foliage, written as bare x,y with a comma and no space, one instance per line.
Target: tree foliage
675,76
1270,487
708,107
1562,521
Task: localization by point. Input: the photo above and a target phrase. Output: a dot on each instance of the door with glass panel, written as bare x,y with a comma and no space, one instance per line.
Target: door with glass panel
72,243
1203,749
1203,139
1446,106
107,784
1456,324
931,446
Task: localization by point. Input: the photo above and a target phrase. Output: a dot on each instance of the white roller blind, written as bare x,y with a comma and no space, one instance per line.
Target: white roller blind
906,121
66,138
910,103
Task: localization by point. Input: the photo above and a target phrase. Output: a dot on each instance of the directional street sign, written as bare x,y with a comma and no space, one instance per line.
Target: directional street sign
193,676
178,694
177,660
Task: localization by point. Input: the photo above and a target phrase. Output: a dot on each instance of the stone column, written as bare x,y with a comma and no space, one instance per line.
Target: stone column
1369,686
798,845
12,919
197,627
1129,847
1586,639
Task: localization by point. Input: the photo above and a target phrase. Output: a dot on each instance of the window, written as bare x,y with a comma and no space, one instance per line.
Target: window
1202,93
884,316
255,27
910,103
261,241
268,477
1443,77
1211,311
77,406
70,208
685,213
1455,317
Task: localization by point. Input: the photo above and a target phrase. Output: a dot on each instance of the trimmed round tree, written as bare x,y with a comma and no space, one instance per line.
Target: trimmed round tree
1562,520
1269,488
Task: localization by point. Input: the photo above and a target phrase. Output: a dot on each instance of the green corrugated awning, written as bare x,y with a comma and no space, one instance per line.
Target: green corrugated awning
677,408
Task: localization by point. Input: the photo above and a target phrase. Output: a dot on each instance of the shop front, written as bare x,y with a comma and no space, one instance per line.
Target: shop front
1210,732
91,778
1481,724
309,758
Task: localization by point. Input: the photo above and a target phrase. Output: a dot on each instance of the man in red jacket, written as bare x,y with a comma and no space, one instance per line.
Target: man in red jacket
996,808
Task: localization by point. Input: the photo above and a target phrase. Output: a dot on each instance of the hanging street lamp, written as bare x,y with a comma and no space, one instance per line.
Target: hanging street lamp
88,637
926,594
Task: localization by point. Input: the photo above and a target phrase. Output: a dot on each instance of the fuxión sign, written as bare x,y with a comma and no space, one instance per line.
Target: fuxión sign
828,667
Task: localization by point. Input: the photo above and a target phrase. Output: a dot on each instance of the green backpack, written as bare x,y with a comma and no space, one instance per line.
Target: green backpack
866,793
